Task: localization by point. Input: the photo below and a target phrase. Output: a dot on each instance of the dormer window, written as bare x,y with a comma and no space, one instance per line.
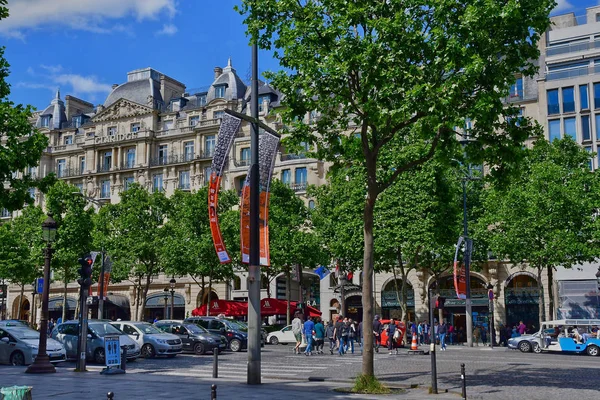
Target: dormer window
261,100
69,139
45,121
202,100
135,127
111,130
76,121
220,92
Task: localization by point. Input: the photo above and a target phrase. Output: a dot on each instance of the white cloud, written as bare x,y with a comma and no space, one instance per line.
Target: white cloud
562,5
88,15
54,76
167,29
32,85
82,84
53,69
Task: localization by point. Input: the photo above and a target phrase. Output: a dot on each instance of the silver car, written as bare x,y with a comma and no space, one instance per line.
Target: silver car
68,334
153,341
19,346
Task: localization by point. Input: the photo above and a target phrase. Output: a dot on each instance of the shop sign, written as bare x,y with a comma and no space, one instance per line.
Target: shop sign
116,138
389,299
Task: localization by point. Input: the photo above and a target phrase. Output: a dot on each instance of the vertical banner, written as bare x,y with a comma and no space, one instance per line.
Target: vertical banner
229,127
460,282
107,271
267,151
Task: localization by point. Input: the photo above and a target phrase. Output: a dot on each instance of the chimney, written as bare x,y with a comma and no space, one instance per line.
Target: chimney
218,72
115,85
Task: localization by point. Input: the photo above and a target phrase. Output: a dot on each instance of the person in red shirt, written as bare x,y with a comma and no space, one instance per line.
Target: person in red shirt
522,328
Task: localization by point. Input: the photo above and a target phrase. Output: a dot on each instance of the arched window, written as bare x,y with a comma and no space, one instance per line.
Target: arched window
311,204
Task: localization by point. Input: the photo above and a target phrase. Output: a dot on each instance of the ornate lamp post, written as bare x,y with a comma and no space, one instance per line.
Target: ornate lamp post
172,285
166,298
490,289
42,361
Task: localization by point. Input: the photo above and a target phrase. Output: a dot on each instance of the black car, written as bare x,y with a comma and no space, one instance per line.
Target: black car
237,339
194,338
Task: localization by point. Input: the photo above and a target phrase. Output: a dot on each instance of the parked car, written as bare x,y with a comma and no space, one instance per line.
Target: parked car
284,336
19,346
153,342
14,322
68,334
194,338
237,339
384,336
244,328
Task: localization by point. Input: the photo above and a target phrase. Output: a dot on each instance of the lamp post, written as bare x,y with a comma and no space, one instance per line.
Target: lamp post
172,285
42,361
33,293
490,289
166,297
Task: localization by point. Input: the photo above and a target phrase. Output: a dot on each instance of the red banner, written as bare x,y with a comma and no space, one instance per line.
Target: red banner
215,230
105,288
460,281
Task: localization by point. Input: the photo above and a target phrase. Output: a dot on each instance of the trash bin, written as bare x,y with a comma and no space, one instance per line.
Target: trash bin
16,393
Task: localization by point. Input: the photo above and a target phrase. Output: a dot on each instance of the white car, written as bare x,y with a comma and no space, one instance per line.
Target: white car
152,341
19,346
284,336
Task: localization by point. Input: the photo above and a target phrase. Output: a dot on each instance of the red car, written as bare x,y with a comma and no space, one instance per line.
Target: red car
384,335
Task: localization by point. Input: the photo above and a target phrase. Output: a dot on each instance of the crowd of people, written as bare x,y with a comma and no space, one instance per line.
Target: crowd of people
341,336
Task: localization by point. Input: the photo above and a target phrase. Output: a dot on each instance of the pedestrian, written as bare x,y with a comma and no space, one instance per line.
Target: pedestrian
426,332
50,326
484,336
351,335
309,331
338,333
443,330
476,334
451,333
391,330
522,328
319,336
330,333
297,331
419,333
377,329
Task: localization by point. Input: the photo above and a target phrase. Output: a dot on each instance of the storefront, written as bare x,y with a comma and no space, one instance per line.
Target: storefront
521,299
391,301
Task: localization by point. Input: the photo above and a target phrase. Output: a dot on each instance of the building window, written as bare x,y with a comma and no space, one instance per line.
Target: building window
516,89
61,168
300,175
188,151
45,121
184,180
597,127
571,128
4,213
168,125
76,121
311,204
105,189
194,120
245,154
591,162
69,139
261,100
130,162
135,127
219,92
553,106
202,100
162,154
79,187
554,129
107,161
568,99
207,172
81,165
209,145
583,97
157,183
585,127
596,96
128,182
218,114
237,283
111,130
31,192
285,176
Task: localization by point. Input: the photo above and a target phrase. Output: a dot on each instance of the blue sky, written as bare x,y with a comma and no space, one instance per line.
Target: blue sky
84,46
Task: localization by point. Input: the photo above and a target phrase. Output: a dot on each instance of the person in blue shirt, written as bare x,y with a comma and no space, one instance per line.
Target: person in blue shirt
309,327
319,336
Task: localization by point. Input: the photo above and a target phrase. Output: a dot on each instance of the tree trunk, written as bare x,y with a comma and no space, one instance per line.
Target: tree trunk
367,289
144,294
541,302
65,303
550,292
288,294
21,302
138,290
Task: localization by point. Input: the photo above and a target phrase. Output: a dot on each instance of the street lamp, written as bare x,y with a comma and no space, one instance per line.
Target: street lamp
42,361
172,285
490,289
166,297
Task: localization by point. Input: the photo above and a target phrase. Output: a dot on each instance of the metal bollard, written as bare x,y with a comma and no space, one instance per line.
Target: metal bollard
216,362
213,392
464,381
110,396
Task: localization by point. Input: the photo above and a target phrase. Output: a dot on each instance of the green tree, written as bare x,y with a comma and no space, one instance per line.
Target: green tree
133,232
188,247
21,146
74,234
546,215
21,249
398,76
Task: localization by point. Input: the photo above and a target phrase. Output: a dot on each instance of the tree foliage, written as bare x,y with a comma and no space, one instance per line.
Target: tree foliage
399,76
546,215
21,146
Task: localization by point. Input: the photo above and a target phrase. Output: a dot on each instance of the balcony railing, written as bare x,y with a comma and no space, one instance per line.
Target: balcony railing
287,157
298,187
103,167
572,73
241,163
572,48
69,172
207,154
127,165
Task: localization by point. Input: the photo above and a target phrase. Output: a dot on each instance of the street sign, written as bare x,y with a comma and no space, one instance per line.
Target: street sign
39,284
112,351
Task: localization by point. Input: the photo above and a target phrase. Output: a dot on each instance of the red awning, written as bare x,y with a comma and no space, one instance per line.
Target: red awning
270,306
228,308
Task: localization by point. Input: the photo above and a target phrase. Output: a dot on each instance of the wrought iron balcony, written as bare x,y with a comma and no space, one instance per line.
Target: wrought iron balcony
298,187
241,163
172,159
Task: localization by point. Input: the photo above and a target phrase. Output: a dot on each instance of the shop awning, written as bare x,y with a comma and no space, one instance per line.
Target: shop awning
119,300
56,303
268,306
157,300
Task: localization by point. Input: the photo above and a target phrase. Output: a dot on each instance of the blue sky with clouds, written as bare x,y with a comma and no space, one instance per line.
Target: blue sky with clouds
84,46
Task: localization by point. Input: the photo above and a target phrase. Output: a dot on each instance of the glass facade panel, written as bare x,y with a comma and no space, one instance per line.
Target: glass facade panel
584,99
554,128
105,189
568,99
553,105
596,95
585,127
571,128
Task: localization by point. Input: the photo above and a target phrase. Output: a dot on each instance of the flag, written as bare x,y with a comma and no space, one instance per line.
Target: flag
349,276
322,271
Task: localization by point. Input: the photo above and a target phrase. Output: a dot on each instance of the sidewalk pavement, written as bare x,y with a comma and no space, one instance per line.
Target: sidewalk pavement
66,385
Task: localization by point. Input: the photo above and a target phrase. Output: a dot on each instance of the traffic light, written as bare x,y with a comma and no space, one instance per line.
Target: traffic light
85,271
439,302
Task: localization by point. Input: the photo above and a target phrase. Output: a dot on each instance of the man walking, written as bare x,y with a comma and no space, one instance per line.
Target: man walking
309,327
391,330
443,330
330,333
319,336
377,329
297,331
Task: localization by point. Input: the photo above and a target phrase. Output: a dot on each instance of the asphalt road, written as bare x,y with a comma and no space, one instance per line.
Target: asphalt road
490,374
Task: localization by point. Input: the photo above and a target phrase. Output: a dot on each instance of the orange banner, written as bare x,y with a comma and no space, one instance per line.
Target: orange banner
213,196
263,227
106,281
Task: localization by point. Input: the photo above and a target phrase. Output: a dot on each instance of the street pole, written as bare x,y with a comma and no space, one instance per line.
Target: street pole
166,298
254,361
42,361
83,327
491,311
434,388
467,257
101,288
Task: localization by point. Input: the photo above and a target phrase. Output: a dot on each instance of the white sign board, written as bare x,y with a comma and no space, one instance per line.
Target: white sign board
112,351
